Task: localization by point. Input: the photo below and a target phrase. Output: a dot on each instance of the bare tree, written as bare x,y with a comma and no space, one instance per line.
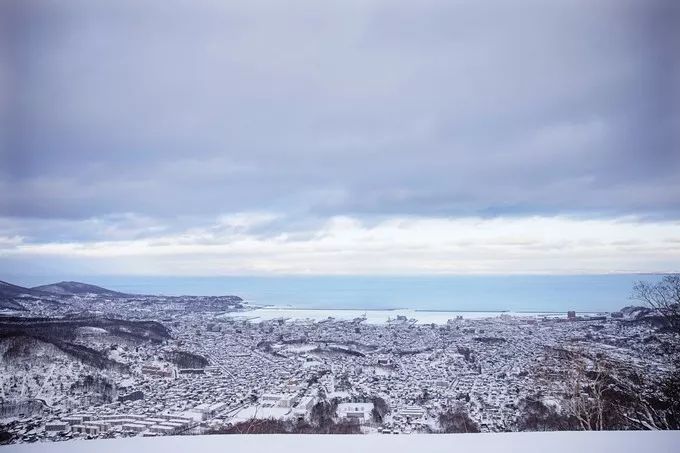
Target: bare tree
533,414
663,297
656,410
457,420
660,411
586,388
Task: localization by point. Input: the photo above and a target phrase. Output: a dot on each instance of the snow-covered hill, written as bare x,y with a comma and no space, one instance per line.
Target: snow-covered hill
10,290
77,288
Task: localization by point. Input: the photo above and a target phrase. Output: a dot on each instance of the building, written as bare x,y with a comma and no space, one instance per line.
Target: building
162,429
56,426
209,410
73,420
134,427
304,406
85,429
306,402
156,370
412,412
360,412
190,371
277,399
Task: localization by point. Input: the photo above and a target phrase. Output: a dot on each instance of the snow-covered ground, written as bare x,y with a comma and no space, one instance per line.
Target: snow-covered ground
554,442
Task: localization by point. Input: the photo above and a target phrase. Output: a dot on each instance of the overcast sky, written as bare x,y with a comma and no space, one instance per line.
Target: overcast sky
322,137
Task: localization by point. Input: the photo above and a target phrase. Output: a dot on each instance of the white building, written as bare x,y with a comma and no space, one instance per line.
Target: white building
56,426
360,412
85,429
277,399
412,412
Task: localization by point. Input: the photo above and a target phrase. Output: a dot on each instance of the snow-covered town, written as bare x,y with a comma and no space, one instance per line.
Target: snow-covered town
104,364
340,226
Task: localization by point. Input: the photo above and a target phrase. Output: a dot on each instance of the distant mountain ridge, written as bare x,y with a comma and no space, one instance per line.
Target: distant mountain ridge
52,291
11,290
77,288
9,294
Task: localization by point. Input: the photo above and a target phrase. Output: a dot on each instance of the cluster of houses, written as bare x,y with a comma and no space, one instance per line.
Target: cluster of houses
281,368
91,425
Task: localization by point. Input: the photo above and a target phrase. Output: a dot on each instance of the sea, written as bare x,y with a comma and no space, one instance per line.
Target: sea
511,293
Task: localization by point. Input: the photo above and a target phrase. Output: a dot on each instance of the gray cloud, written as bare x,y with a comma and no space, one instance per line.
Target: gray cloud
368,108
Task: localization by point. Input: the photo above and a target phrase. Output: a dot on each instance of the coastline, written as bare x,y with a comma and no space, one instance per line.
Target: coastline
383,316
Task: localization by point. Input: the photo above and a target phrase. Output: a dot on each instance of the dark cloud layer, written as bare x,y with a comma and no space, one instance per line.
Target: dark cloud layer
365,108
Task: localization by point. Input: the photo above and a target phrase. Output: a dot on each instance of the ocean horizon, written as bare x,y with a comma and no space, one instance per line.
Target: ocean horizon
512,293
